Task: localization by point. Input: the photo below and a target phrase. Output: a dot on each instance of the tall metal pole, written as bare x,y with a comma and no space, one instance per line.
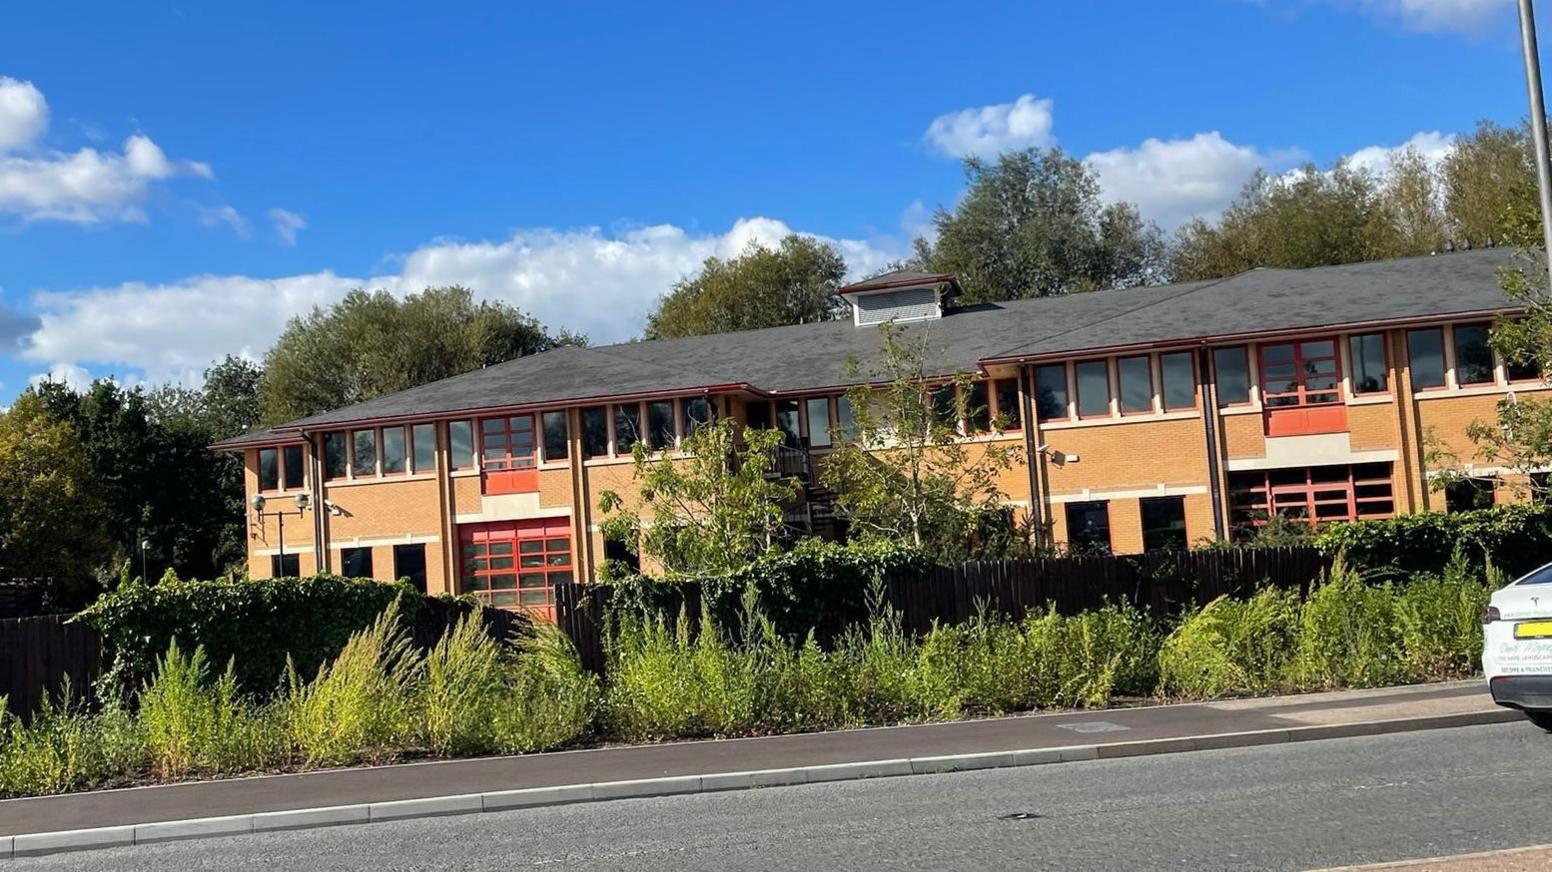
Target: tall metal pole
1538,122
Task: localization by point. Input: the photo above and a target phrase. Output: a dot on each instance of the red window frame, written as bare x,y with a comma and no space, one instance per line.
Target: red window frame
1110,388
515,564
1163,386
1120,384
1301,393
1318,498
279,472
508,437
1352,363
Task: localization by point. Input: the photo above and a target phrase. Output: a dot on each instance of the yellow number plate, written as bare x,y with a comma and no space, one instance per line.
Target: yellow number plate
1533,630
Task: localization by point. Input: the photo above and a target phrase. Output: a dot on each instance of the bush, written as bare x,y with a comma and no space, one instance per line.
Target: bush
1439,619
1517,537
359,706
462,686
195,725
257,624
549,700
1231,647
66,748
1348,634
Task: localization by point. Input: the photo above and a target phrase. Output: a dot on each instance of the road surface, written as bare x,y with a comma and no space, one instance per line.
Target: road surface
1295,807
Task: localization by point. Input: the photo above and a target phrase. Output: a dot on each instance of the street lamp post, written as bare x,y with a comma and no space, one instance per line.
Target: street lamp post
303,502
1538,122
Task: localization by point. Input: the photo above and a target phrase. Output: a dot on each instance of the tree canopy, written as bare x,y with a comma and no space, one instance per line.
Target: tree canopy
1032,224
368,345
793,283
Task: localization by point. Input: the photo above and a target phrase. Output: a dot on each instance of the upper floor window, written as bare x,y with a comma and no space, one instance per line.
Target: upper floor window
1009,415
1093,389
660,424
846,419
627,428
1299,373
555,436
460,444
363,455
819,422
1136,376
787,421
694,412
1526,370
269,469
1425,354
595,432
424,437
395,451
1366,354
979,407
1231,371
1178,373
292,466
1051,392
334,456
1473,356
507,442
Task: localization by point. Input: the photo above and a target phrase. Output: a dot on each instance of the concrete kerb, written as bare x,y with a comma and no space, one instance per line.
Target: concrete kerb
34,844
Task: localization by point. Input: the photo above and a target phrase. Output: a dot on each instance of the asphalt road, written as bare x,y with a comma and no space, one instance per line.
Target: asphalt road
1298,806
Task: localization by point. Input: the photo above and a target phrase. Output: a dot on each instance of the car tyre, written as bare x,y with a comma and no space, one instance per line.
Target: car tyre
1542,719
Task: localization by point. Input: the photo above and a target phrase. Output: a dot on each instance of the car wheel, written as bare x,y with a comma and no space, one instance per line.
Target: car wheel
1542,719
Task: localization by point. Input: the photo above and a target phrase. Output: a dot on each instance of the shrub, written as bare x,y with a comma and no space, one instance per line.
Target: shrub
1347,633
549,700
1439,619
1231,647
359,706
981,666
193,724
66,748
463,683
1515,536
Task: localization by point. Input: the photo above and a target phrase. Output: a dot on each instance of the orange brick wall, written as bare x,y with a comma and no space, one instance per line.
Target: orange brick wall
1373,426
1244,435
1446,418
1129,455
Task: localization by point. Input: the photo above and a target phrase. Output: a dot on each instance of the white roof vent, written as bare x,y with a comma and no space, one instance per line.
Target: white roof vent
902,295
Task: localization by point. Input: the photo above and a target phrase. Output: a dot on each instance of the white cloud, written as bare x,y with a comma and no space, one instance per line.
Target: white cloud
85,186
75,377
287,224
228,216
1431,144
23,113
1174,180
987,131
1442,16
601,284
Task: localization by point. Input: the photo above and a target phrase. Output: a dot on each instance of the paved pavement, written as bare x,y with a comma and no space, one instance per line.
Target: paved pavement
1537,858
1280,807
390,783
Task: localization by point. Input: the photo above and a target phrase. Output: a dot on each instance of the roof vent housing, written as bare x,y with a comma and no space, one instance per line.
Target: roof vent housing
902,295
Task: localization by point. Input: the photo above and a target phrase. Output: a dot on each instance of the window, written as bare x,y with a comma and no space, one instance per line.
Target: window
508,442
945,406
1231,370
293,467
269,469
424,437
460,439
1093,389
395,454
1473,356
819,422
356,562
1469,494
285,565
696,411
979,407
1088,526
1009,415
409,563
845,419
555,447
1179,375
1313,495
514,564
1523,370
627,428
787,421
1425,352
660,424
622,559
1299,373
1051,392
363,458
1368,361
334,455
757,414
1163,523
1136,384
595,432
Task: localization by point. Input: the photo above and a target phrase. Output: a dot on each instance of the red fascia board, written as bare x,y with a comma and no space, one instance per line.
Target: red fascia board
267,442
489,411
862,287
1229,338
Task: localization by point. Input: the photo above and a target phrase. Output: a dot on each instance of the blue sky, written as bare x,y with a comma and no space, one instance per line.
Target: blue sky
176,181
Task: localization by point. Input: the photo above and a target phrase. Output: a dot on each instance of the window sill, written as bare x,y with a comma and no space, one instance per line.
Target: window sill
1124,419
1240,409
1482,390
1371,400
381,479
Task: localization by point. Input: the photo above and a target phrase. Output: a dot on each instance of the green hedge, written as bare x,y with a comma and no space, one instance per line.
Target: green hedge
257,622
1515,538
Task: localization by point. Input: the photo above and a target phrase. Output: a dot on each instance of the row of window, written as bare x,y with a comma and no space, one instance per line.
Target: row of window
615,430
1142,384
819,422
1163,524
409,562
364,453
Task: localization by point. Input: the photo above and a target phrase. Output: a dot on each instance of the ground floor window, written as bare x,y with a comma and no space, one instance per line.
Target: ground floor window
1312,495
356,562
1163,523
409,562
285,565
1088,526
1468,494
513,564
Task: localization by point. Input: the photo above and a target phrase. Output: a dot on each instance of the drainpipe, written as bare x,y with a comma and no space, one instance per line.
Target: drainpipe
1036,506
1210,432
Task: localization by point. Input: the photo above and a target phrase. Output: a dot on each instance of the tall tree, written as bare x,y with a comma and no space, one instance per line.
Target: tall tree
1490,185
1031,224
368,345
1414,197
792,284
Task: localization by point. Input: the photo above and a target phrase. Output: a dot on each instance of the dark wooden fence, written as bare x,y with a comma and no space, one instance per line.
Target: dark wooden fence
1162,582
38,654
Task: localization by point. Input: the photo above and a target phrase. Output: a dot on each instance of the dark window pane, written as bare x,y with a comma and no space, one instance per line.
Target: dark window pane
363,458
294,466
845,419
695,411
819,421
1473,356
1468,494
757,414
461,444
269,468
334,455
409,562
1051,391
424,436
595,432
393,449
1093,389
1009,415
356,562
1368,361
979,407
1522,370
555,436
1136,384
1163,523
1231,374
627,427
1425,352
1179,380
945,406
285,565
1088,526
660,420
787,421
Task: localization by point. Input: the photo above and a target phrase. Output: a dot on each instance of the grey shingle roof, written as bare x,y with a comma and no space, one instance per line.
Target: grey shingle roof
815,356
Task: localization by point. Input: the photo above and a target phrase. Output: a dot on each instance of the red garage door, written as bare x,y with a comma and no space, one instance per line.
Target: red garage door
512,564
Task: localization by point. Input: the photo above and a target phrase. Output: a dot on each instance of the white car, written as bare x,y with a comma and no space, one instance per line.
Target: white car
1517,645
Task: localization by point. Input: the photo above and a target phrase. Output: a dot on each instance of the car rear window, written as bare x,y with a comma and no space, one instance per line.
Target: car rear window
1540,576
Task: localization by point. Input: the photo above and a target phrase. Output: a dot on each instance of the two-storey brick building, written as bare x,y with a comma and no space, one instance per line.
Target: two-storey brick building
1153,416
